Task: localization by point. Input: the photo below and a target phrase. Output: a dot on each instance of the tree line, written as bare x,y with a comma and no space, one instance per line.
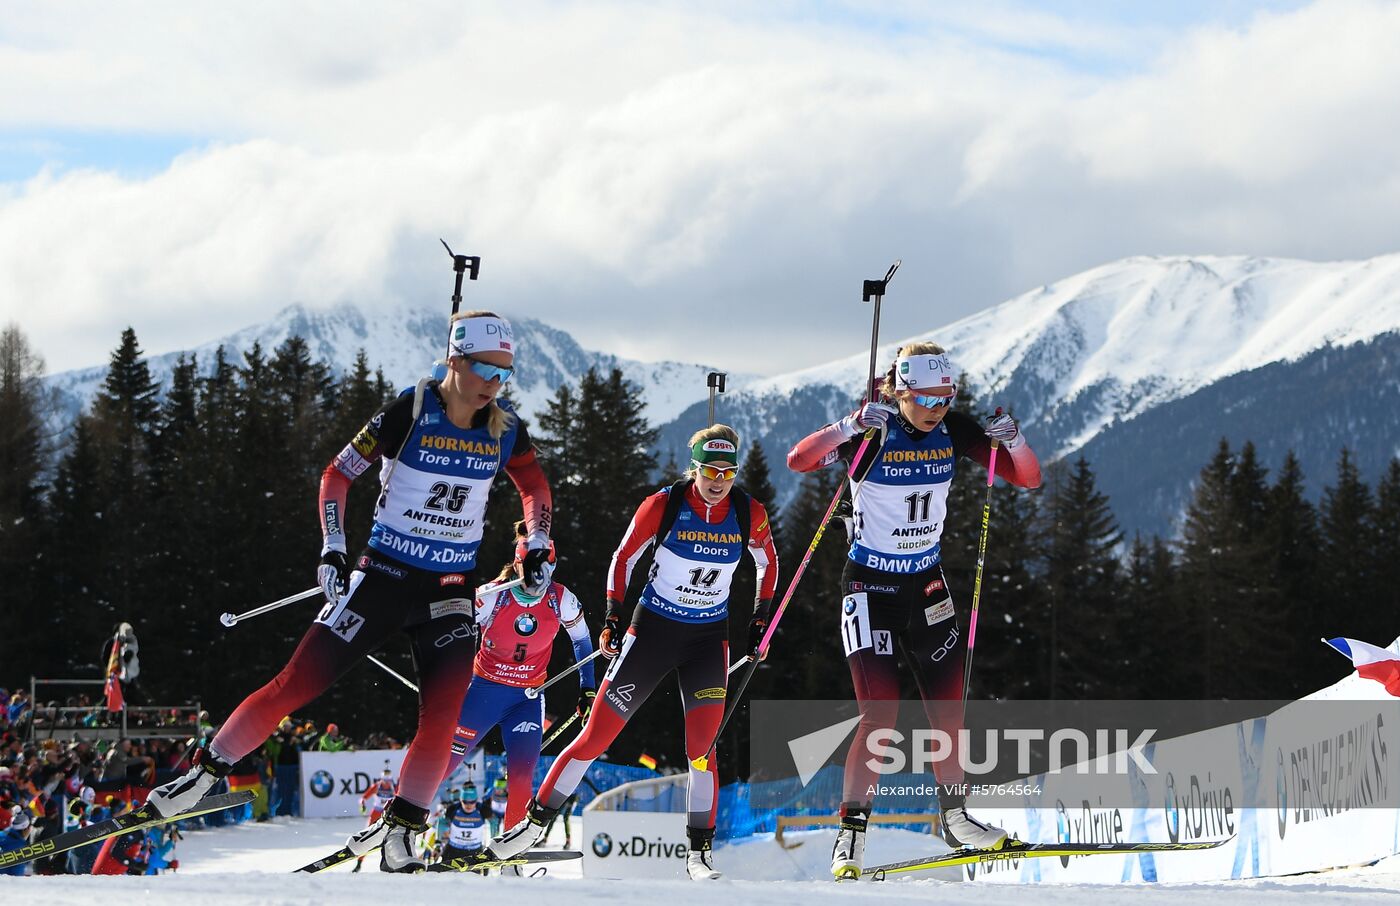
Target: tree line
167,506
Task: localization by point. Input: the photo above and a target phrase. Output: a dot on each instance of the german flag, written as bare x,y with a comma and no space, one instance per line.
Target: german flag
646,761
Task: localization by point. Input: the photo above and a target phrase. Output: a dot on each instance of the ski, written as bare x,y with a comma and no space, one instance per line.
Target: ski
343,855
142,818
1015,849
525,858
338,857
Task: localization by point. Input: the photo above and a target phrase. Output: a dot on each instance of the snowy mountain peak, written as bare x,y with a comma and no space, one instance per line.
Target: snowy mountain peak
404,343
1111,342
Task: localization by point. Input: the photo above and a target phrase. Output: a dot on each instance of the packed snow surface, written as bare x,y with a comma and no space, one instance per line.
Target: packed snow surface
251,863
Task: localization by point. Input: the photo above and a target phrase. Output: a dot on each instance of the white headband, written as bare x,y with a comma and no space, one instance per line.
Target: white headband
919,372
471,336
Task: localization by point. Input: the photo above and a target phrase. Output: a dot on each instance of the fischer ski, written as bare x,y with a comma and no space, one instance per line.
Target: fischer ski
1015,849
142,818
525,858
343,855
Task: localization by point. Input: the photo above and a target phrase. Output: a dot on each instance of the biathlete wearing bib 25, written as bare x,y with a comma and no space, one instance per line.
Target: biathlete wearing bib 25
517,638
415,575
893,588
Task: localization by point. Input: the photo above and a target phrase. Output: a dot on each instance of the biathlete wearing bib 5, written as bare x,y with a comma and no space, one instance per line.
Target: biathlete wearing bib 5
893,587
517,638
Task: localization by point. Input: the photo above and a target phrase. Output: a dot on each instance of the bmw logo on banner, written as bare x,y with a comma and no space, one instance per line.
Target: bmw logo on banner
602,845
321,784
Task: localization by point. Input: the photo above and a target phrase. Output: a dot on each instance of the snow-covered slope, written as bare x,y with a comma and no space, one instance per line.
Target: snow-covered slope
1081,362
1115,341
405,343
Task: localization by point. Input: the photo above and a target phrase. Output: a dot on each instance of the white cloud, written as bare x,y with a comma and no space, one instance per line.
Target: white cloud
710,185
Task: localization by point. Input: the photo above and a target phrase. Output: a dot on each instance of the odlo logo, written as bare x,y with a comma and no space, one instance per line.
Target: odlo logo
321,784
602,846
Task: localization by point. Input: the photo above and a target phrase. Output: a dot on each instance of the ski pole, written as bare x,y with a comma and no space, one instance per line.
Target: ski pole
981,560
391,671
872,290
558,731
232,619
535,692
715,381
229,619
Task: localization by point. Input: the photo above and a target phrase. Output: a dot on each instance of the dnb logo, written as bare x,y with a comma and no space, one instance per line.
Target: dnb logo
602,846
321,784
526,624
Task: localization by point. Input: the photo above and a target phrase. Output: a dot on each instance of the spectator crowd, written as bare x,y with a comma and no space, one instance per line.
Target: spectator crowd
53,779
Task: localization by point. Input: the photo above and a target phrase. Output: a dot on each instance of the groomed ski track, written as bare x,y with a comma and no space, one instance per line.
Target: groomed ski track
251,863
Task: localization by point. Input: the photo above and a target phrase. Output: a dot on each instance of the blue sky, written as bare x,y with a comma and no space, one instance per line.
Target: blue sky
621,165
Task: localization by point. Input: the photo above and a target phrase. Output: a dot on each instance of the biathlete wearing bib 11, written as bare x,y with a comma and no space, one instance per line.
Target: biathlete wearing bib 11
894,593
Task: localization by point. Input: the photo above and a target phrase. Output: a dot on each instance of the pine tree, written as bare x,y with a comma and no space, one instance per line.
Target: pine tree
1290,538
78,521
1143,663
1385,551
124,424
1079,538
1011,623
1225,602
1348,539
24,454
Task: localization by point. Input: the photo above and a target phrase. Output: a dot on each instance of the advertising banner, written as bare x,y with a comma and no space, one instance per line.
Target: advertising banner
333,782
633,844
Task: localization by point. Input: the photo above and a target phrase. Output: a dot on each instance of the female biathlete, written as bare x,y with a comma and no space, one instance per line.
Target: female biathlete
441,444
892,585
700,527
517,637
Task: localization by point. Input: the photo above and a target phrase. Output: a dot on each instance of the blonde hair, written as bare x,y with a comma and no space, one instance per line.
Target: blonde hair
888,389
714,432
498,420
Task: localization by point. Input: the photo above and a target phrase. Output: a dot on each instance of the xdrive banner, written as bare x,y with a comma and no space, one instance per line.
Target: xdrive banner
1292,786
333,782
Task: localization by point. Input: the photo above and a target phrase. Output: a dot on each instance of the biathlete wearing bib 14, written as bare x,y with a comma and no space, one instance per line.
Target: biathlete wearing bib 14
674,628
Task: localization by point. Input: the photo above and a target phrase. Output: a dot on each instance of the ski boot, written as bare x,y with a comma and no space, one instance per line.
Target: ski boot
403,822
184,793
961,830
848,854
526,834
698,862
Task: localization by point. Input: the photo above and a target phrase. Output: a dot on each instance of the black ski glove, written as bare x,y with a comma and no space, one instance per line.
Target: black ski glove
610,639
759,625
585,703
333,575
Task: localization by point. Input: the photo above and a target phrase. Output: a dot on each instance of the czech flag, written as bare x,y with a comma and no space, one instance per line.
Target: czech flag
1379,664
647,761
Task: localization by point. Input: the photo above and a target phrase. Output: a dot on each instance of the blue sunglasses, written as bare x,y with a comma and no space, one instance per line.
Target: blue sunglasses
934,402
490,372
